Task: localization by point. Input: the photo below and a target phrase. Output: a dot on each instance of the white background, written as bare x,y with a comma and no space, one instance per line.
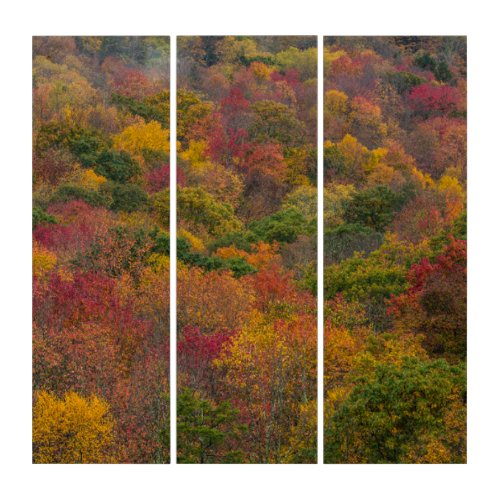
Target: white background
478,21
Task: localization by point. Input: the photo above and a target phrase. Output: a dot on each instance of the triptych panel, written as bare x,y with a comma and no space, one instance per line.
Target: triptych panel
395,250
246,249
100,249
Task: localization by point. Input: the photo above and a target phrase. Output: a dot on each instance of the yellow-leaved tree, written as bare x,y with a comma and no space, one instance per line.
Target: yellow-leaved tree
141,140
73,429
43,260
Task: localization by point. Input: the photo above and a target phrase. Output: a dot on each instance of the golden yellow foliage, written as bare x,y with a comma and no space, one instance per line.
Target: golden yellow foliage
141,137
384,174
341,348
335,102
91,180
158,262
196,243
74,429
424,179
260,70
338,54
43,260
230,252
230,49
196,155
297,160
454,195
356,155
335,195
262,254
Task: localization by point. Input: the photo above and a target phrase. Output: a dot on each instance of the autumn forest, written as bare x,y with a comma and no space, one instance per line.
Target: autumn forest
395,250
100,250
246,163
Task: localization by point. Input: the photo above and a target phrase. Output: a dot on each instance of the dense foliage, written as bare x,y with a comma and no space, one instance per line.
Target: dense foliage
100,265
246,202
395,249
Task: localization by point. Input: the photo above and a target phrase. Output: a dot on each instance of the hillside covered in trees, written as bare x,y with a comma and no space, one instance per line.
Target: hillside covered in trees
246,248
100,249
395,249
